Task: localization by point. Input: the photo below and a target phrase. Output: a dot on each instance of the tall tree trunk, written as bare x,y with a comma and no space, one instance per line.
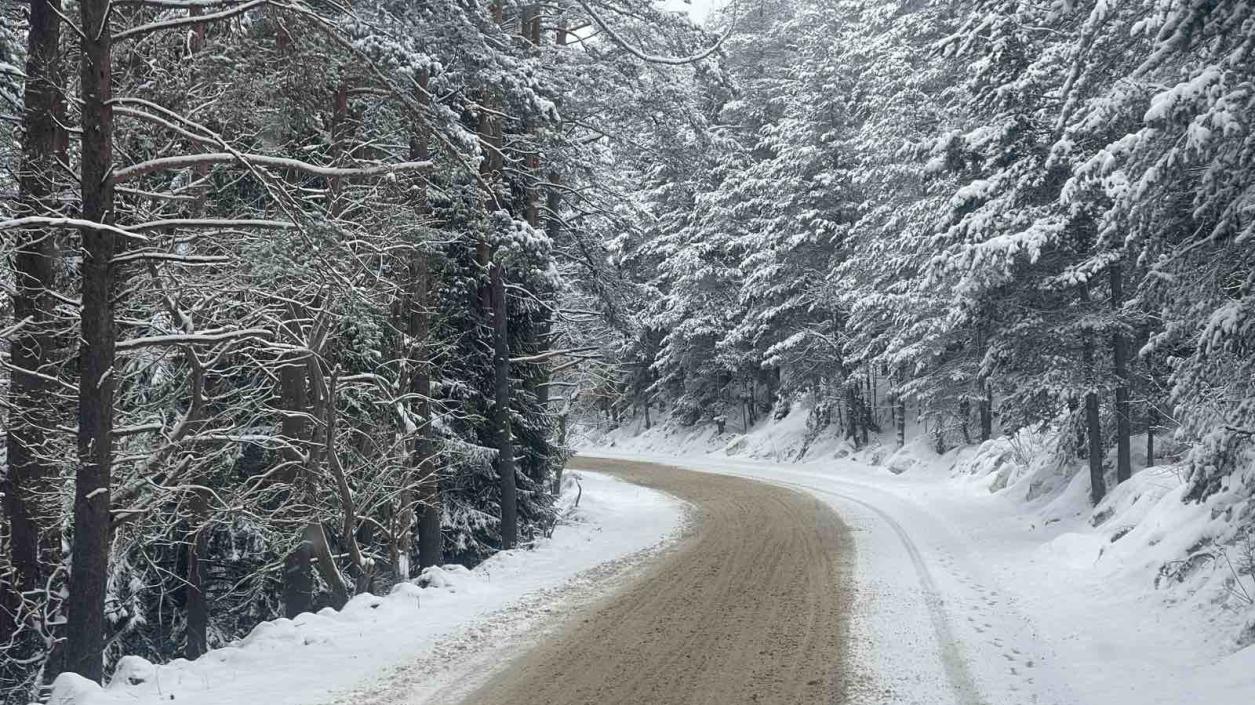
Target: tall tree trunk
493,298
556,488
324,561
196,603
901,406
871,395
851,414
340,128
865,419
986,416
1073,407
1093,430
33,537
320,403
899,400
1152,421
298,583
985,403
501,411
359,569
1120,356
1093,422
85,628
537,375
430,549
418,329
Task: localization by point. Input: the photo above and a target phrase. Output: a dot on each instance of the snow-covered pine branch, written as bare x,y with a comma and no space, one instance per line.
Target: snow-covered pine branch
191,160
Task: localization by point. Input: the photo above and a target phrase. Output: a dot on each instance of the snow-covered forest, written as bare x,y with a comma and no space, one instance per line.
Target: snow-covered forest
299,297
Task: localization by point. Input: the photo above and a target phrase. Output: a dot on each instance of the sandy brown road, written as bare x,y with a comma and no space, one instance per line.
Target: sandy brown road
750,608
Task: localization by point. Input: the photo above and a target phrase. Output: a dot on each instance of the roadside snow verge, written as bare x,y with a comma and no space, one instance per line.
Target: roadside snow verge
316,658
982,579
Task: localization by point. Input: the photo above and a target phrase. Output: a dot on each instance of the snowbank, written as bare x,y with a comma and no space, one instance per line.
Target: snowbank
314,657
789,439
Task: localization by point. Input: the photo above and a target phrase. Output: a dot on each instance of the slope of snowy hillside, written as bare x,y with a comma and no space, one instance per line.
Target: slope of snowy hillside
443,620
985,572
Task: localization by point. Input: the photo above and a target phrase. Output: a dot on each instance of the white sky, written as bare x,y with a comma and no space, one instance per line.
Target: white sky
697,9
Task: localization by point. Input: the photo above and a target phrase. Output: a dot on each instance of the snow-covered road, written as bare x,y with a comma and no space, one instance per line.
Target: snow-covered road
752,607
961,600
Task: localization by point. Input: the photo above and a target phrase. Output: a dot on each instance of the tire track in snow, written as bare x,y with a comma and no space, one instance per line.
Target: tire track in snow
962,683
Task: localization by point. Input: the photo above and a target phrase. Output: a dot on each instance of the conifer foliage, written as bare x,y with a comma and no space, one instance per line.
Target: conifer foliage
981,215
282,296
297,295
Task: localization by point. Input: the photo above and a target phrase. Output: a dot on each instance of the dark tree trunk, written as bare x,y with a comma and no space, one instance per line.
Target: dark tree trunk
326,391
418,324
899,401
865,418
986,417
339,147
901,407
197,605
532,24
1152,421
501,410
196,602
965,415
542,185
871,395
536,374
33,537
430,549
1073,407
320,404
85,628
430,539
1093,422
298,583
493,298
851,414
320,553
1120,356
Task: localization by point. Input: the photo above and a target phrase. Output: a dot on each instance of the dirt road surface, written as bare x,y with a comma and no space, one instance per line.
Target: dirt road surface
751,607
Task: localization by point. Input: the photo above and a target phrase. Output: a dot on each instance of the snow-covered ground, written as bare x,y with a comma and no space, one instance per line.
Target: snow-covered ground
378,644
986,580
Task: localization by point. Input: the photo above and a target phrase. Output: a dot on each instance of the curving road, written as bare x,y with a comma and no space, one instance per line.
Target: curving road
752,607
